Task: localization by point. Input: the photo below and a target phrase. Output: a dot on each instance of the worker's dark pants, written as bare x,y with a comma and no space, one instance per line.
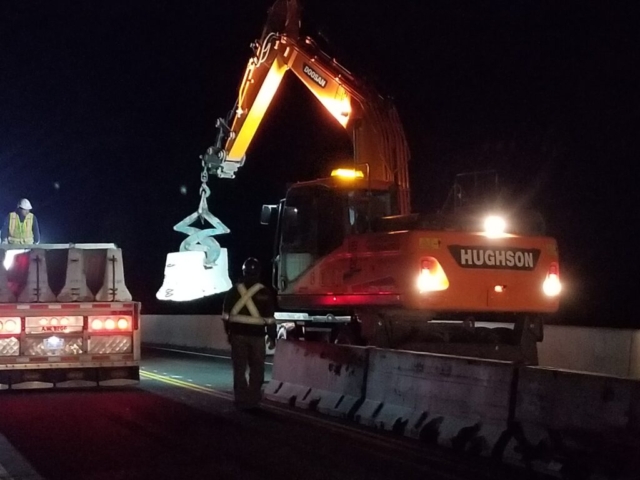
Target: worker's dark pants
247,351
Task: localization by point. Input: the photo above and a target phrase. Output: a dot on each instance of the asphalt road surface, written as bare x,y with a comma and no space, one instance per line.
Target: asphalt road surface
179,423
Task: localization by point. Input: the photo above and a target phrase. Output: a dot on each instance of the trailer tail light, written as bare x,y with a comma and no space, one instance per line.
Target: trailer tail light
10,325
110,323
432,277
55,321
551,285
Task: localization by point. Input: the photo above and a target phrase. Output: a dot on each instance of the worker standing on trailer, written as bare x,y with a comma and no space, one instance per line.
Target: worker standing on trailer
21,226
248,315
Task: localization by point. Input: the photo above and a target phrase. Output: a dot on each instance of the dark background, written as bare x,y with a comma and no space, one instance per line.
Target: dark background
106,106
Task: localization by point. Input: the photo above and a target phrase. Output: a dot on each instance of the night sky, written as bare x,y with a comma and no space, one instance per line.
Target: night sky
106,106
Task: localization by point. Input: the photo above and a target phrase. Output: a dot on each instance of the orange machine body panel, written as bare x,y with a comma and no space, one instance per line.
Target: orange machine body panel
382,269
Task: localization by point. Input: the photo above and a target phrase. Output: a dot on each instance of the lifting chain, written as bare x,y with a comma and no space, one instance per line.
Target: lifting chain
202,239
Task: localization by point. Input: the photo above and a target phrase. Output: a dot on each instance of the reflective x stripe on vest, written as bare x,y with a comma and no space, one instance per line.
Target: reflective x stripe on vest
246,300
20,232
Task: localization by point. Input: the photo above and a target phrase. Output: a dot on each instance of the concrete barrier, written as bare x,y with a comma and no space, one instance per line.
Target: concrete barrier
75,288
318,376
607,351
191,332
37,288
114,288
635,408
572,423
6,295
453,401
553,421
596,350
634,360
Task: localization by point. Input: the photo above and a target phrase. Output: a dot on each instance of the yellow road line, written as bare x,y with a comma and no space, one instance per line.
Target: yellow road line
332,425
370,437
276,408
182,384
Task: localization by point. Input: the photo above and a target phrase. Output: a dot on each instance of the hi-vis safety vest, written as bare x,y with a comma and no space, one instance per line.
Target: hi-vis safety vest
20,232
246,300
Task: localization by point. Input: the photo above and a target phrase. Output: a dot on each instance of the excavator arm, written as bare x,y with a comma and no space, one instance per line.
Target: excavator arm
373,122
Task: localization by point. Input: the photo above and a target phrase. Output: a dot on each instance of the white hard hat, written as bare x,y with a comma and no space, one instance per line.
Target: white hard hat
26,204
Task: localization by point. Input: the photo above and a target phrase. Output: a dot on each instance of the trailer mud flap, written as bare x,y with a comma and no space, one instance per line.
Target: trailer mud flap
69,378
118,376
30,379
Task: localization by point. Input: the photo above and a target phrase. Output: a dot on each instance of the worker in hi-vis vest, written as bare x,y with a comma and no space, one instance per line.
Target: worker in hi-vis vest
21,226
248,316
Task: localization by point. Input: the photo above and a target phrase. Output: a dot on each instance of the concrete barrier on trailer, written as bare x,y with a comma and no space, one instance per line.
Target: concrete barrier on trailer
37,288
320,376
572,423
114,288
453,401
6,296
75,288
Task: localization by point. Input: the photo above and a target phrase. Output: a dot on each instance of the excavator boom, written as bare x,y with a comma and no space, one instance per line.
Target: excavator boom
372,120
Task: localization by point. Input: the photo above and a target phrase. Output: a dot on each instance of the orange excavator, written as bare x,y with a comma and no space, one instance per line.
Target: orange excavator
474,279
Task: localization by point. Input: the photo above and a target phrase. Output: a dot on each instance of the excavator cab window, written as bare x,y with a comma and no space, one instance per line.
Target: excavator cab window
365,207
315,221
313,225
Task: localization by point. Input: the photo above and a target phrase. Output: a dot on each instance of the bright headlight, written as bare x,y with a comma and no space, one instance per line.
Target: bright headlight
494,226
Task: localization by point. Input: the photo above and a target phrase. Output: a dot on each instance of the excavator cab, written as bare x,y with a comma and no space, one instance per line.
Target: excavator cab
316,217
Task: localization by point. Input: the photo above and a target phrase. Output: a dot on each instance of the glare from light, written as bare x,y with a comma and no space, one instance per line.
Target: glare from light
54,321
54,342
10,326
432,277
494,226
123,323
96,324
110,324
43,321
498,289
552,286
347,173
64,321
428,282
9,255
340,108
